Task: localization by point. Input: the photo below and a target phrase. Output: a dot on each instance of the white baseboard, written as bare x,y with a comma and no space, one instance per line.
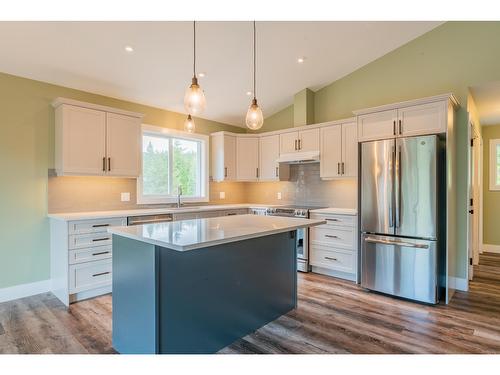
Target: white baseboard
491,248
461,284
24,290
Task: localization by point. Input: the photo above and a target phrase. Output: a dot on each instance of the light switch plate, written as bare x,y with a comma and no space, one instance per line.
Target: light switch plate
279,195
125,197
222,195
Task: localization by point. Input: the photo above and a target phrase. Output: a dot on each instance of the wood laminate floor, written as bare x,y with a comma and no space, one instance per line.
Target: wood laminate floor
333,316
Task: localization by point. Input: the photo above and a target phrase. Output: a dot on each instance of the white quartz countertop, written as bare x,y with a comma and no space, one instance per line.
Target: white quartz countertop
150,211
192,234
335,211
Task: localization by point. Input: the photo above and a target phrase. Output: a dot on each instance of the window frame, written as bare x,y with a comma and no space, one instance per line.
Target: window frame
159,131
494,186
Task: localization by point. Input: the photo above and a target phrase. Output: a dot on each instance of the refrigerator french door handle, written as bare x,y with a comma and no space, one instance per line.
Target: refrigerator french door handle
397,243
398,189
391,206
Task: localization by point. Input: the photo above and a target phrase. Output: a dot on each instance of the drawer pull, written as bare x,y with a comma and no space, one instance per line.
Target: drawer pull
332,219
331,236
100,274
101,253
100,239
100,225
330,258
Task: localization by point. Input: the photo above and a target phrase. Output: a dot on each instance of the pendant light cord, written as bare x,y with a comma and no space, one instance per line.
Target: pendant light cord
254,58
194,48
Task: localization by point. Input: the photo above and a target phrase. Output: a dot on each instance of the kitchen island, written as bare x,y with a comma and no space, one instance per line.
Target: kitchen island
195,286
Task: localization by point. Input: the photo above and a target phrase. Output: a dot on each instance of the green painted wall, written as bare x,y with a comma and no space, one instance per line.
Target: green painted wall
27,152
491,199
280,120
450,58
303,108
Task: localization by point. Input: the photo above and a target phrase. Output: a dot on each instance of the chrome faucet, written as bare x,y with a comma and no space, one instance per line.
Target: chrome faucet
179,194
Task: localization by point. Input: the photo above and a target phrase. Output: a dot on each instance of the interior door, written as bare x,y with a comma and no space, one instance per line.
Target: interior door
123,142
350,150
416,187
247,158
268,154
377,186
331,151
309,140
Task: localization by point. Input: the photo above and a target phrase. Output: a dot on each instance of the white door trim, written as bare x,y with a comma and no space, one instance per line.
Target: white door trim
488,248
24,290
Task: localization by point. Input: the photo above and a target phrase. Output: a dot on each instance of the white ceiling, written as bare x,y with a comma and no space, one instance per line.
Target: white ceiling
90,56
487,98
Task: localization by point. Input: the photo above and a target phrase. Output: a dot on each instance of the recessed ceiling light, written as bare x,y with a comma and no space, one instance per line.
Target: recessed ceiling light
202,74
249,93
300,60
129,49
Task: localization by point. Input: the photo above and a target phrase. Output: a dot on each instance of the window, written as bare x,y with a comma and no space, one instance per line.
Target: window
172,160
495,164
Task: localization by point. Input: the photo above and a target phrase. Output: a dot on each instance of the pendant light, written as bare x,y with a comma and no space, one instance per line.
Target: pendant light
189,125
254,119
194,99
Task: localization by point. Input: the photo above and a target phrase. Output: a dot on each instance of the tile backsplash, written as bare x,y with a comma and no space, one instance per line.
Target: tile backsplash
74,194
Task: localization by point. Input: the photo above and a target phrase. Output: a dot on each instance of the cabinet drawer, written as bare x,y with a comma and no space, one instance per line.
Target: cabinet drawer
90,275
79,241
95,225
339,237
333,259
335,220
89,255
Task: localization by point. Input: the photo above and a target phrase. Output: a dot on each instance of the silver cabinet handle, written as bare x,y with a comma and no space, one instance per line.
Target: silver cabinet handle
330,258
101,274
300,146
343,170
394,127
225,171
331,236
338,168
397,243
101,253
109,164
257,172
400,132
104,164
332,219
295,145
100,225
277,171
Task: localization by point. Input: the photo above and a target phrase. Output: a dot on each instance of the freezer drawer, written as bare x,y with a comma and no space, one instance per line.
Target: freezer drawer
399,266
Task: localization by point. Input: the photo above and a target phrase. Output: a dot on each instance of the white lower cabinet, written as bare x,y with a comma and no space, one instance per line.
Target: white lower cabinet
81,258
333,247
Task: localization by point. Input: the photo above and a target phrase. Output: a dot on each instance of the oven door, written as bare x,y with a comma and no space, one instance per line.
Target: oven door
301,243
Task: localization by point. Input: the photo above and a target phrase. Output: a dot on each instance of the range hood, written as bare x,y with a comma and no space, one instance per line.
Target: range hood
299,157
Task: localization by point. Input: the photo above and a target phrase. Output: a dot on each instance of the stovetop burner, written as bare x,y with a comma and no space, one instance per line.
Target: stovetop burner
291,211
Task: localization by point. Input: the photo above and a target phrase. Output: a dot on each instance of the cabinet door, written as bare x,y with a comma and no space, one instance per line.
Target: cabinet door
83,141
309,140
123,139
422,119
288,142
378,125
349,150
247,158
331,151
268,153
229,158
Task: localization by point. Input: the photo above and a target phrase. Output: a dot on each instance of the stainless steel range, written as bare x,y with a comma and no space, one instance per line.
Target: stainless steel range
302,239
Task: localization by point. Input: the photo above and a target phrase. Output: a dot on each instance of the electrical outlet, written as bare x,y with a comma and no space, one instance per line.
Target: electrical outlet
279,195
222,195
125,197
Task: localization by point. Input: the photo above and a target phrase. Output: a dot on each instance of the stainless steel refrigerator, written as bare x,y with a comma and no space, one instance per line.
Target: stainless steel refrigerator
399,217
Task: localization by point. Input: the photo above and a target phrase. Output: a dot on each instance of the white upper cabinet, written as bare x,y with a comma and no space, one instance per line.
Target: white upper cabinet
422,119
303,140
416,117
247,158
123,134
80,141
93,140
269,148
339,151
223,157
378,125
331,151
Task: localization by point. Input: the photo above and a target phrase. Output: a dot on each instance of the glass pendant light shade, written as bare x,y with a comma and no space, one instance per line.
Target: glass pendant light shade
194,99
189,125
254,119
